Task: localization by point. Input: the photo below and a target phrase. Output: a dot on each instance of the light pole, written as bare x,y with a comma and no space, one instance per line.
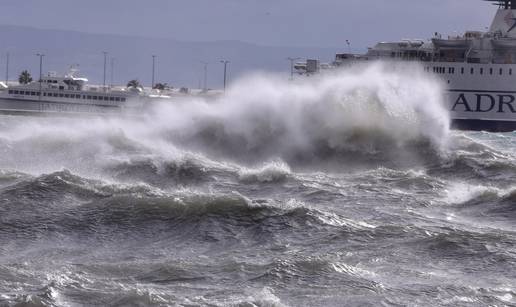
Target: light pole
225,62
205,75
7,69
112,71
153,70
105,63
292,67
41,55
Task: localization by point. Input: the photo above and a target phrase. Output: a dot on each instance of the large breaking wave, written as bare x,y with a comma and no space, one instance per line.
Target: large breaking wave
364,113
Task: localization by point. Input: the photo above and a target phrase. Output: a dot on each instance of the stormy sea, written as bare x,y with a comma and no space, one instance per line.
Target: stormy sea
347,189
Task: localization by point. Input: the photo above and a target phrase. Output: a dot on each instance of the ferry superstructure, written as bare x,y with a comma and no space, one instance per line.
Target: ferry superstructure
66,94
478,68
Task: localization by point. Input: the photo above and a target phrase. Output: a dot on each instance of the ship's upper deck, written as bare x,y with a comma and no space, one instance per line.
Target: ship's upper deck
497,45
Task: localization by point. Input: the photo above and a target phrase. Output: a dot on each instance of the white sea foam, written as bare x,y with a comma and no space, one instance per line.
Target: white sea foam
262,117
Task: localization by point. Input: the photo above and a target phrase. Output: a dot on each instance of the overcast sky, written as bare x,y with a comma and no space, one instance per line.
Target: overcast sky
323,23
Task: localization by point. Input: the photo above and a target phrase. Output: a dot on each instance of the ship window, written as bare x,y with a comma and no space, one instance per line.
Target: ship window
61,87
16,92
462,70
123,99
472,70
118,98
491,71
501,71
481,71
55,81
106,98
10,91
61,95
33,93
89,97
510,71
56,95
67,95
44,94
94,97
111,98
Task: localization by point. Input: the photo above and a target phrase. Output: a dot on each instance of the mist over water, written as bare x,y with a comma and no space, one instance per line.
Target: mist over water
342,189
373,112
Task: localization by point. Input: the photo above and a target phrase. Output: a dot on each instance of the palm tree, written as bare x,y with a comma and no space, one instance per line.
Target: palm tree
161,86
134,84
25,77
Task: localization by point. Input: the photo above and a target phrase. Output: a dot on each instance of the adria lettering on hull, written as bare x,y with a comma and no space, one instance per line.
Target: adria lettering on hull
482,104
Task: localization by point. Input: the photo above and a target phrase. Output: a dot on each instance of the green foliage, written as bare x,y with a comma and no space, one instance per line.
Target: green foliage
134,84
25,77
161,86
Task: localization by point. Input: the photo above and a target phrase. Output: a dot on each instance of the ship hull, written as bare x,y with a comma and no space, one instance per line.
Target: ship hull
479,97
35,107
483,125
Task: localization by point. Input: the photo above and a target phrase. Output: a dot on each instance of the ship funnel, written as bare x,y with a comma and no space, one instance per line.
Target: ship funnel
504,21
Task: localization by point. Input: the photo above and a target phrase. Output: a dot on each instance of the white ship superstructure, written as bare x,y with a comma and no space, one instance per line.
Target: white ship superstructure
67,94
479,69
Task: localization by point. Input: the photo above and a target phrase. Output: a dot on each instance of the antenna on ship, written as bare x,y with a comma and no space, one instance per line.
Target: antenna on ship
505,4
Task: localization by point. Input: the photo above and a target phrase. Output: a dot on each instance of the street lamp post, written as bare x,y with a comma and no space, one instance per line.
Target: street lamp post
153,69
205,75
225,62
7,69
292,66
40,72
105,63
112,71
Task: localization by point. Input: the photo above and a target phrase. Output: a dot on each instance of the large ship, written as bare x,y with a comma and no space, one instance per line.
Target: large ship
66,94
69,94
479,69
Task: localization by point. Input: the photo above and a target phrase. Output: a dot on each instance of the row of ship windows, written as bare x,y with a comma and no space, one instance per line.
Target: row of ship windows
451,70
76,96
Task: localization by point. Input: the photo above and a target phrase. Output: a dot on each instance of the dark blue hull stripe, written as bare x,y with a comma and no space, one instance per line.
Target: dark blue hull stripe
483,125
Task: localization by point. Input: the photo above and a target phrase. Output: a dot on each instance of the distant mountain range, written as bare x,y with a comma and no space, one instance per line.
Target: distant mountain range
178,63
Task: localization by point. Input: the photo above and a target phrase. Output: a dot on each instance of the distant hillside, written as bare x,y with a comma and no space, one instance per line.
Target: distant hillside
178,62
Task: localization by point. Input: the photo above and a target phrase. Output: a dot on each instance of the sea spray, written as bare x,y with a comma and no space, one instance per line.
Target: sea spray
361,110
366,111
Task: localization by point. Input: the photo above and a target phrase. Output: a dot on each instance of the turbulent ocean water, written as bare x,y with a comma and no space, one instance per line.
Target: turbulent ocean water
343,190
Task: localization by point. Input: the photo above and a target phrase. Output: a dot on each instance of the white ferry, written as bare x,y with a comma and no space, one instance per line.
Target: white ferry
479,69
66,94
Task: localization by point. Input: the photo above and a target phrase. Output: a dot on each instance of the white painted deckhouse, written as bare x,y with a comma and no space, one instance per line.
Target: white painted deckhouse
68,94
